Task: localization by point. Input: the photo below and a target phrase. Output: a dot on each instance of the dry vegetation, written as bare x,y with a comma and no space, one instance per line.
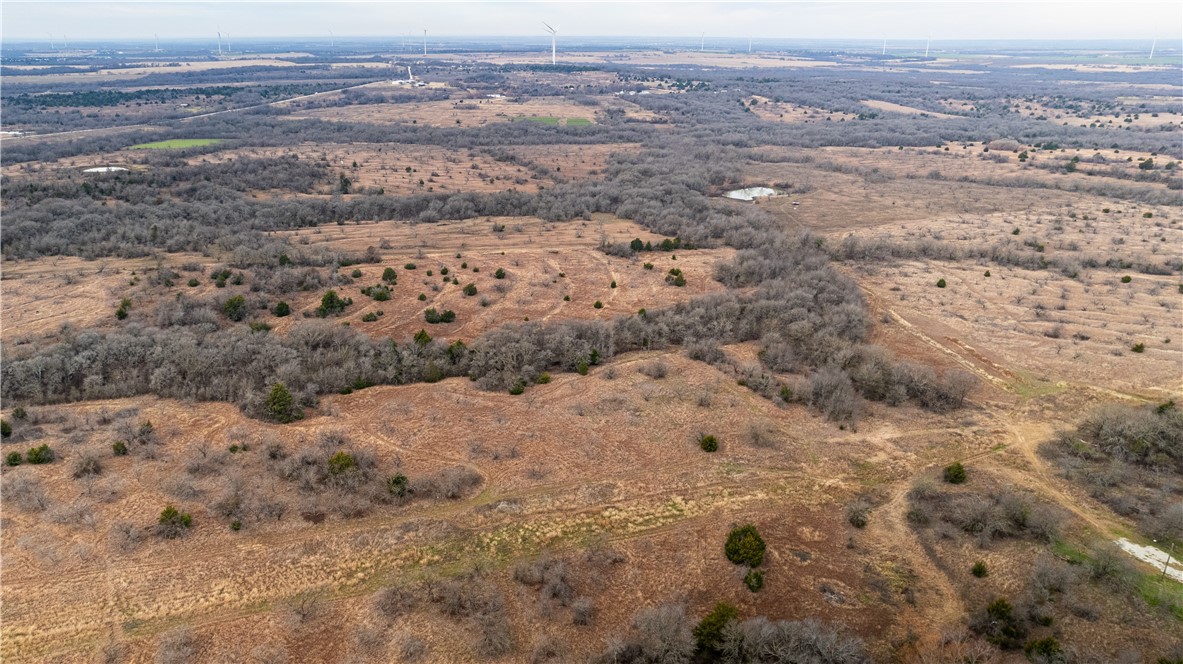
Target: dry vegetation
934,375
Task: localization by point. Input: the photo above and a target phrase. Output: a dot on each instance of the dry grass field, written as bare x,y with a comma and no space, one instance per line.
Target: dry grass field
468,112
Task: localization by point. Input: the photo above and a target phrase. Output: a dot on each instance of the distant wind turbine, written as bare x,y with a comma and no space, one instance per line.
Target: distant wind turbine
332,40
552,32
51,41
157,37
703,43
749,45
926,46
884,47
1152,45
425,41
228,49
219,41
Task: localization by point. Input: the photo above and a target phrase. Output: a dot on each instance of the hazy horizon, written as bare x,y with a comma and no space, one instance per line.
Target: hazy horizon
903,21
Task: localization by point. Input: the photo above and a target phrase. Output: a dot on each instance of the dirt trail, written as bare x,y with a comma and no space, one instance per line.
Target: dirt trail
1025,434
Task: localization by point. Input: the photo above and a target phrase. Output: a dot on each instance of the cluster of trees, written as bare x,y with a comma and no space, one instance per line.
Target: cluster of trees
666,633
1131,459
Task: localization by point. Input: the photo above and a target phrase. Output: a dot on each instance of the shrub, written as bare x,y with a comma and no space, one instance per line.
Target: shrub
280,404
39,455
940,283
656,370
341,462
542,378
5,429
499,274
517,387
648,266
1046,649
13,459
398,486
281,309
86,463
613,284
754,580
708,634
856,513
1138,347
422,338
708,443
235,308
1126,279
369,317
409,266
999,624
979,569
598,305
582,611
745,546
331,304
193,283
470,290
173,523
119,447
389,275
178,646
356,274
380,293
955,473
433,317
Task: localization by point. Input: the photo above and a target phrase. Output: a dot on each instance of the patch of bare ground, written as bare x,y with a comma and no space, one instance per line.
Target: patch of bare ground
890,107
460,112
873,175
43,295
774,111
551,271
1051,331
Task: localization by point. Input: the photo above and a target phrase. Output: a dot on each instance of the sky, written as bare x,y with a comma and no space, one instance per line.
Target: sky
870,19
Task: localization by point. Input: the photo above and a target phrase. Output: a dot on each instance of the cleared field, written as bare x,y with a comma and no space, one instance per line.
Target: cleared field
437,169
773,111
553,271
907,110
177,143
462,112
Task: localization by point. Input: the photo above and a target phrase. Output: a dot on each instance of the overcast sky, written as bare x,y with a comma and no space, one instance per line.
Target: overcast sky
870,20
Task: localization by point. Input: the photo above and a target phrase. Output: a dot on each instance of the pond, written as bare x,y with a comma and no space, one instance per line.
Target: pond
750,194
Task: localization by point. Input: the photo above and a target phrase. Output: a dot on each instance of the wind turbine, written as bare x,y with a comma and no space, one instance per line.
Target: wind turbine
1152,45
703,43
228,49
552,32
884,47
332,40
926,46
219,42
749,45
157,37
425,42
